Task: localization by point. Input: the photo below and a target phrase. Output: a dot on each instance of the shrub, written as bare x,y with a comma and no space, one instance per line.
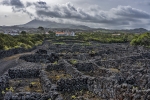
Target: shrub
142,39
73,61
23,40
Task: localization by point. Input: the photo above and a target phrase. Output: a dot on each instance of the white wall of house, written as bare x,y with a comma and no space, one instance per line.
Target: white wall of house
72,34
66,34
14,32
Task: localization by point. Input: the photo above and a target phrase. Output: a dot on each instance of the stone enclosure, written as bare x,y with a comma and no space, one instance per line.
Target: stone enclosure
75,71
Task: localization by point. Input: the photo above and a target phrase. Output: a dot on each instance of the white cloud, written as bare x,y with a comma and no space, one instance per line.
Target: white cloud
93,15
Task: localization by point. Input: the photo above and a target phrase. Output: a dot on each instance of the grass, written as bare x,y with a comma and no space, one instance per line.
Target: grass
21,41
114,70
54,75
80,95
73,61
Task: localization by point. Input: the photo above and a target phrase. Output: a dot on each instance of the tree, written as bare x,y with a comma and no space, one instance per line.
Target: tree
52,34
1,46
41,29
23,32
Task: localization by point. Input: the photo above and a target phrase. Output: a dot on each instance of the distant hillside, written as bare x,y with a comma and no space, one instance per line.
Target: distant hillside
50,24
136,30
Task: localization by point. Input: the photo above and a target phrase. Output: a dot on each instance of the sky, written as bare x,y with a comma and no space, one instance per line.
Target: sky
109,14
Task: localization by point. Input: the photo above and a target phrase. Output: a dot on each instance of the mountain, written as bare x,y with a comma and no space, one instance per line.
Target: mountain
136,30
49,24
139,30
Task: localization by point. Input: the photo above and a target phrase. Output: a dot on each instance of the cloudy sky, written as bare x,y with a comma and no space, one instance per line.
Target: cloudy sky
112,14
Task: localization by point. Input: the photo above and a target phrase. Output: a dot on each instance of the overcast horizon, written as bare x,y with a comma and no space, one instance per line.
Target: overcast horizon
110,14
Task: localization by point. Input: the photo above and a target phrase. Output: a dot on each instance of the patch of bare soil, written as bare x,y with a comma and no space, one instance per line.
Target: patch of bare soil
10,62
80,95
54,75
25,85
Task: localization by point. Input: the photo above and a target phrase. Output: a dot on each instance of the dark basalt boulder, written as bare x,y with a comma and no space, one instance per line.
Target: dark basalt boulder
41,51
131,80
85,67
44,58
72,85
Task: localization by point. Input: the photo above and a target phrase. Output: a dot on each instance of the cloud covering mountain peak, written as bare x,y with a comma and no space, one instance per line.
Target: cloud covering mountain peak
94,15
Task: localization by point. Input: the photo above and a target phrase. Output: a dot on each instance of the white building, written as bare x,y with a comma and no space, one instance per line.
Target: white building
12,32
65,33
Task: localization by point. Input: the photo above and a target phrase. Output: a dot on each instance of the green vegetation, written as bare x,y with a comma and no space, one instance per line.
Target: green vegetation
134,39
73,61
51,34
142,39
106,37
23,40
73,97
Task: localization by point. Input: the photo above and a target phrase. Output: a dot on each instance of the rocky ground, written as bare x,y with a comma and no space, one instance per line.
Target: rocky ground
76,71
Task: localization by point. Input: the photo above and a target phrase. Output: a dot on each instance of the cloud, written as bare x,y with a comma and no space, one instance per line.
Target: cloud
3,16
127,11
15,3
40,4
18,6
121,15
94,8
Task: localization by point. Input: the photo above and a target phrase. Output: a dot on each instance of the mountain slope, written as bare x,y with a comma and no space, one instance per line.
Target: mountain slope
50,24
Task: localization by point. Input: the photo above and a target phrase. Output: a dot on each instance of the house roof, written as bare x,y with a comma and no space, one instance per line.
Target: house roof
60,33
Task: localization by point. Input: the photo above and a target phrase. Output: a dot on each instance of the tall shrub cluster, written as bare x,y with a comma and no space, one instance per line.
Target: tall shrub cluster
20,41
106,37
142,39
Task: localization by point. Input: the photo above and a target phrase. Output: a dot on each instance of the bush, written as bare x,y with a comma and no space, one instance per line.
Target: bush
73,61
22,40
105,37
142,39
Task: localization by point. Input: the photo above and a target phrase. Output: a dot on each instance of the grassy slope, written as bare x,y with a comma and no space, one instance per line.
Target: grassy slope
20,41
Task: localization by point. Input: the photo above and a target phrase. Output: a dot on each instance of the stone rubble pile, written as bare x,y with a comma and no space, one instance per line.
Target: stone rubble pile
88,67
4,83
46,83
23,96
71,70
40,58
114,72
50,90
57,67
11,52
41,51
128,92
72,85
25,70
102,86
32,96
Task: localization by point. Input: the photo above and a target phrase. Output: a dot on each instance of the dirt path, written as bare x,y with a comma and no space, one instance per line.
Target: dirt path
10,62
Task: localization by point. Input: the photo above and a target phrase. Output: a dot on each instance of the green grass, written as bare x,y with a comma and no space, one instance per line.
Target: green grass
105,37
73,61
21,41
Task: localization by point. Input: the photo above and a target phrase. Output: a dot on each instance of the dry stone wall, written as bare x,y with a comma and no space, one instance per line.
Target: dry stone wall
110,71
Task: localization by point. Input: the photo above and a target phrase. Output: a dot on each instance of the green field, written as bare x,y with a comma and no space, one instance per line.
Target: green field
29,40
